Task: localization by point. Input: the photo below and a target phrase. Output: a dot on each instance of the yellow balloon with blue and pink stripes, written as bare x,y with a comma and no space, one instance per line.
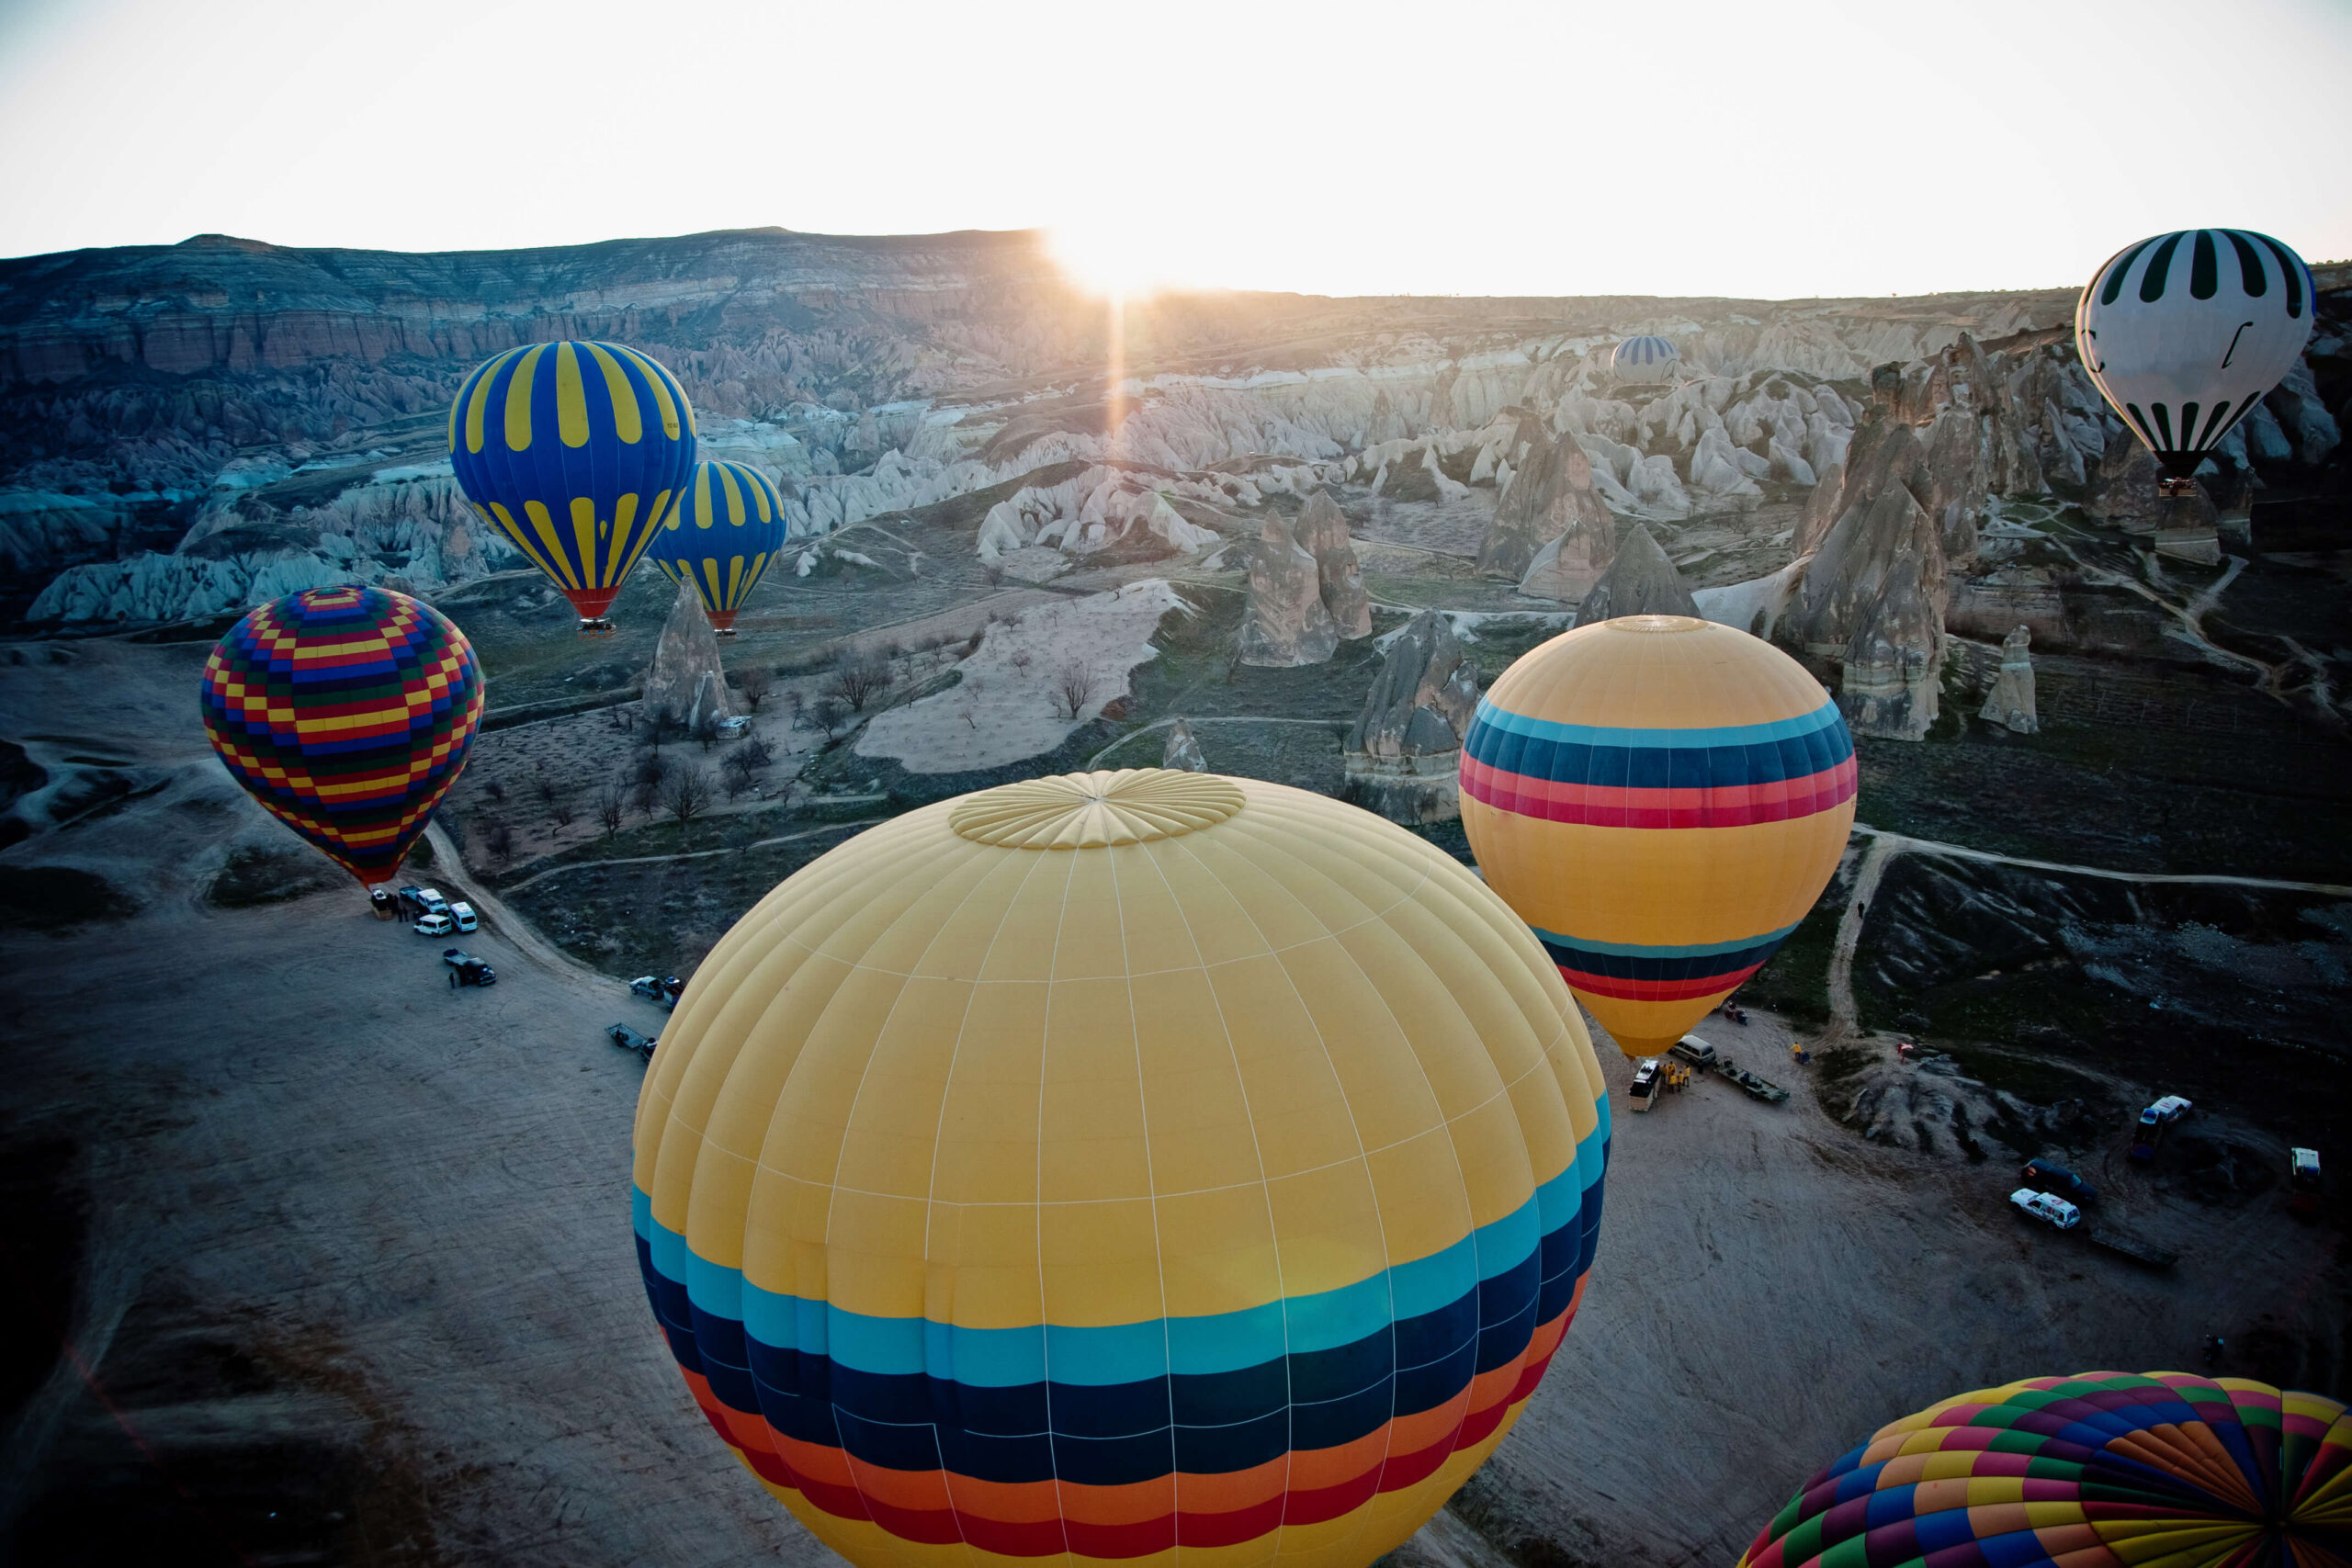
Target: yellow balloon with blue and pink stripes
1662,799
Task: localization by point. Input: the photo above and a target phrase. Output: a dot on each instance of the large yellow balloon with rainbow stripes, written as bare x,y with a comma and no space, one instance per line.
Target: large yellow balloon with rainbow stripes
1103,1167
1662,799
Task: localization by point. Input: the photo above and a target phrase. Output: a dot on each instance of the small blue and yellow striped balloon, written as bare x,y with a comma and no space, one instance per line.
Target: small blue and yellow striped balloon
728,524
574,451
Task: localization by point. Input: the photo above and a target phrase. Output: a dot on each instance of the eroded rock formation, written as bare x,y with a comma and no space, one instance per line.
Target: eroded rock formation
1322,532
1182,752
1551,499
1284,624
1405,753
1640,581
1893,666
2010,703
687,677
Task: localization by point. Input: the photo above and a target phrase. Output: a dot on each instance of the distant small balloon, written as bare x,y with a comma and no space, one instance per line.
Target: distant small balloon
726,526
1645,358
2184,332
346,712
574,451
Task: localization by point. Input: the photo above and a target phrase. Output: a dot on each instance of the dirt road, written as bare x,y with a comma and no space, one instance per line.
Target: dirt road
352,1266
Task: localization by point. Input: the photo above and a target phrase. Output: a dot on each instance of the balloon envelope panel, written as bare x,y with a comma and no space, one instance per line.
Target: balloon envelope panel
1118,1163
2100,1468
2184,332
574,451
346,712
727,525
1662,799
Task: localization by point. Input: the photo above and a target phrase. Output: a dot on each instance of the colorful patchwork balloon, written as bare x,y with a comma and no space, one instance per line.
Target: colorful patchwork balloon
574,452
346,712
2100,1470
1104,1165
727,525
1662,799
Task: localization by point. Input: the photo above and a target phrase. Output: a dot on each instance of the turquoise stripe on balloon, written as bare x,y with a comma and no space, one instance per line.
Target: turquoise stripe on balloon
1822,717
1128,1352
1635,949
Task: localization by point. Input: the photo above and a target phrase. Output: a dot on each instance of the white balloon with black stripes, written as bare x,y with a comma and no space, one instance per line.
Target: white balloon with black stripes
2184,332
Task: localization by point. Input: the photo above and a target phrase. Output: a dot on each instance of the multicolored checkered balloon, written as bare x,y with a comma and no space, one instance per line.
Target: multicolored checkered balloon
346,712
2100,1470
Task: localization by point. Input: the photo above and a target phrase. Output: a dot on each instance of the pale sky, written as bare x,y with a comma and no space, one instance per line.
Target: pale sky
1765,148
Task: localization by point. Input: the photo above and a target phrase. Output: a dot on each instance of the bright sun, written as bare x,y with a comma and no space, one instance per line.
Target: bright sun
1122,263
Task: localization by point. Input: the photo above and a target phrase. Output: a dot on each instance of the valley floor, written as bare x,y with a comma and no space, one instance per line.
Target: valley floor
327,1262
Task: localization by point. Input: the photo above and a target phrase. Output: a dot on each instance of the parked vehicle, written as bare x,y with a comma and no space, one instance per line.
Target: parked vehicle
2302,1181
463,913
473,972
435,925
1762,1088
628,1039
2047,1207
1693,1050
2165,1111
660,989
382,905
457,957
414,904
1648,1082
2052,1177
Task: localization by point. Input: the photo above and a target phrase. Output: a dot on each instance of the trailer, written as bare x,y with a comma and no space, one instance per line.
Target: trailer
628,1039
1764,1089
2125,1245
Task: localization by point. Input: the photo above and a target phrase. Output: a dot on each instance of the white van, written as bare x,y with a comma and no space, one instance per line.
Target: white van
435,925
463,913
1649,1080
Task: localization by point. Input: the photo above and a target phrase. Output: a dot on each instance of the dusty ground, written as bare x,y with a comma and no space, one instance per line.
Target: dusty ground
346,1254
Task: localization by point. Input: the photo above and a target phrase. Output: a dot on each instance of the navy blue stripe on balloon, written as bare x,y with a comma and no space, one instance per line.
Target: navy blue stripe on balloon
1113,1435
1593,960
2251,275
2216,422
2117,268
2164,426
2204,268
1659,767
2294,273
2151,282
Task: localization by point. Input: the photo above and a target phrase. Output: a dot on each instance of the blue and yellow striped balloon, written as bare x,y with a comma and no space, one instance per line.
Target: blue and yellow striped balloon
728,523
574,451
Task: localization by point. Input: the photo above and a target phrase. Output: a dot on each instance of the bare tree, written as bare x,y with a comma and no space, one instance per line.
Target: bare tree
1074,683
707,730
665,723
1021,659
859,678
500,842
755,683
970,709
829,712
612,805
495,790
650,773
686,794
562,809
755,753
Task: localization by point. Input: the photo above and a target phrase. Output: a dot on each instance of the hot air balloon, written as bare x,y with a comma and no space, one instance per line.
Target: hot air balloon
727,525
2184,332
1100,1165
2084,1472
574,451
346,712
1646,358
1662,799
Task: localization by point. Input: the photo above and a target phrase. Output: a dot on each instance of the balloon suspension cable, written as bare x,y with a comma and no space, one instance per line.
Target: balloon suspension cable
596,625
